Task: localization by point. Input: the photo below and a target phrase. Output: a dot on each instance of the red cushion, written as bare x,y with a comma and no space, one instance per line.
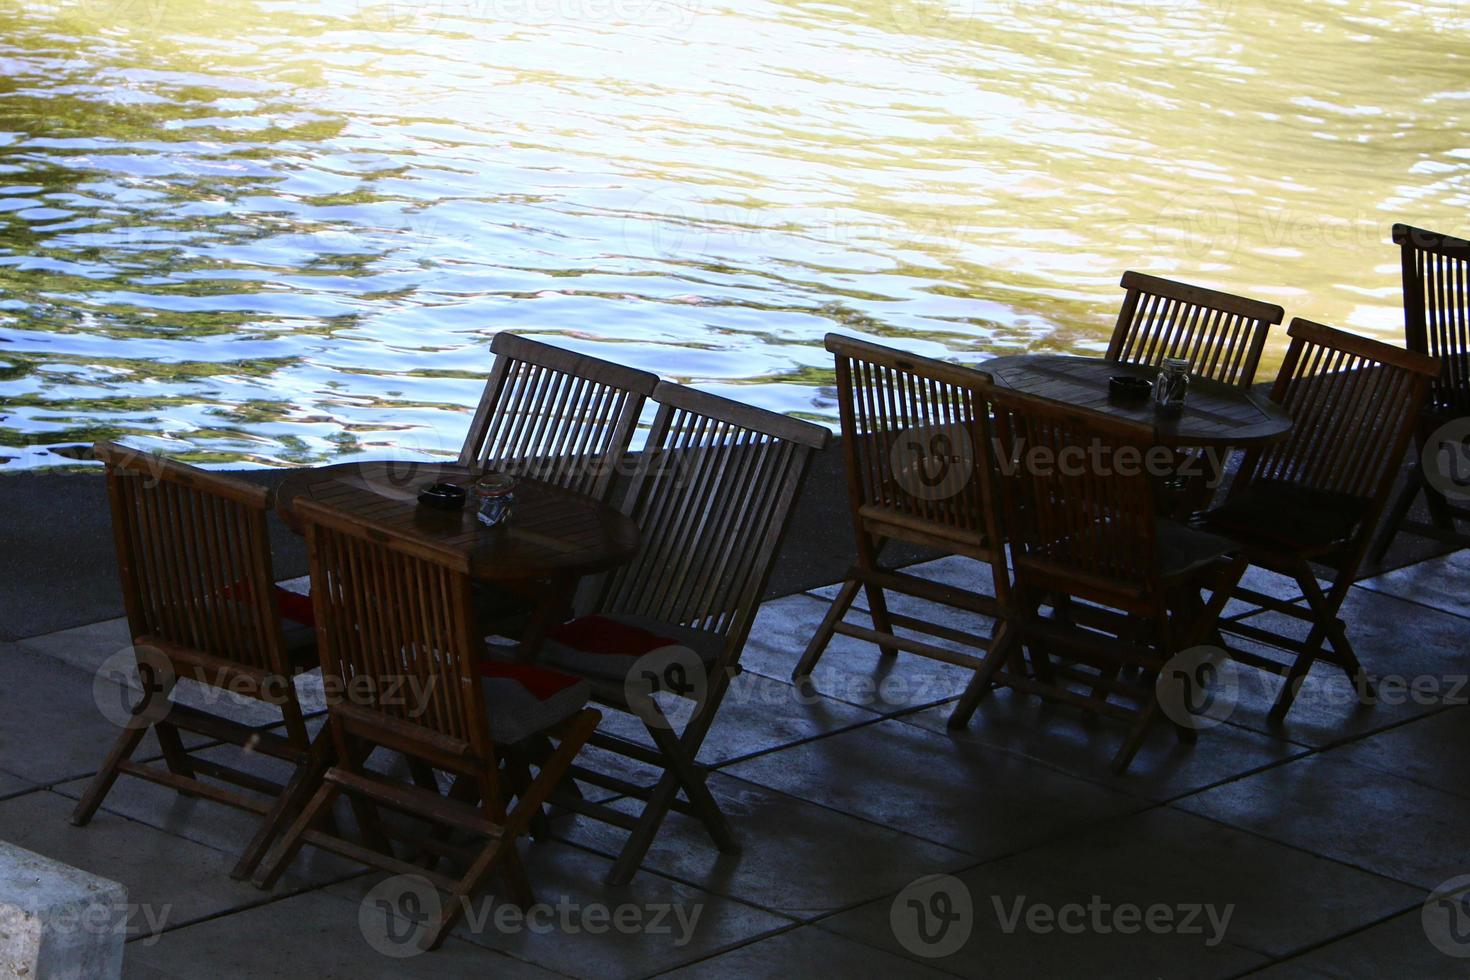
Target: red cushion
542,683
598,634
293,605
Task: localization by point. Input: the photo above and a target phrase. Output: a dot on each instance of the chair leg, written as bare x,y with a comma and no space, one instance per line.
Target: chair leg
304,782
1002,641
122,749
174,755
285,849
692,778
878,609
1136,735
823,635
659,803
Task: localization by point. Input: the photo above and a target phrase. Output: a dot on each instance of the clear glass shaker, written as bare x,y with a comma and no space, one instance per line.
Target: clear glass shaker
1172,384
495,498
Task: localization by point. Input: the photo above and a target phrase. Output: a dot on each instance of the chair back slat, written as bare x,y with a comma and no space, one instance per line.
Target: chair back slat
1221,335
555,415
1436,279
1354,403
1078,499
712,493
915,439
194,558
395,627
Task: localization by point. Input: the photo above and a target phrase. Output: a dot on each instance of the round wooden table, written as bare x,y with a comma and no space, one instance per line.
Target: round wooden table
1214,414
554,537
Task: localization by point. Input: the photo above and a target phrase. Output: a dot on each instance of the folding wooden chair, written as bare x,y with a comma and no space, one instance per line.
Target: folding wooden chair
555,415
713,493
1221,335
1436,275
194,559
917,449
404,668
1315,497
1082,521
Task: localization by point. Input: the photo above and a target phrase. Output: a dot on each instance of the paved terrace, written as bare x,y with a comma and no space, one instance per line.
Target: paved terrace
1302,853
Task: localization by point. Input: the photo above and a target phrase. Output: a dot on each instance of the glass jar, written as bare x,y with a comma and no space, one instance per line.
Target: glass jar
1172,384
495,498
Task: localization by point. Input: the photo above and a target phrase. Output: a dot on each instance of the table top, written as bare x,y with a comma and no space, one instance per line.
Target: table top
554,531
1214,414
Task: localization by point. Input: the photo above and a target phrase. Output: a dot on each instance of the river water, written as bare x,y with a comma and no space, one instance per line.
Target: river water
262,233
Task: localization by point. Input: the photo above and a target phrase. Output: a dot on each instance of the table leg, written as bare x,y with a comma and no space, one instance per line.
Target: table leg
553,606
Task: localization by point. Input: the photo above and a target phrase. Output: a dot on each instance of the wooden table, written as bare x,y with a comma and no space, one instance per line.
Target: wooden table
554,538
1214,414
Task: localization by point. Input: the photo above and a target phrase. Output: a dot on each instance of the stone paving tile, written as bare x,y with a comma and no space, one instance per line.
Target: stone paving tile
1268,900
1430,751
1084,746
960,794
1443,583
170,881
1398,947
1028,917
850,670
1399,643
51,728
584,928
806,951
315,934
797,858
11,784
1328,805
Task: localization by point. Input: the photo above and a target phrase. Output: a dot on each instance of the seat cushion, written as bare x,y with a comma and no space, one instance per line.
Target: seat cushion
1184,550
523,699
1287,515
606,647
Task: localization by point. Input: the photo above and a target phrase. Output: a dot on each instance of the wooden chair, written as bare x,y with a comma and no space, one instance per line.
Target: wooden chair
1436,277
1315,497
555,415
402,660
713,493
1082,520
917,449
1222,335
194,559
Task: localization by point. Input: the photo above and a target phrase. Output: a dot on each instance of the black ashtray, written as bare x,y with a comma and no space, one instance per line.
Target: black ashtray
1127,388
444,496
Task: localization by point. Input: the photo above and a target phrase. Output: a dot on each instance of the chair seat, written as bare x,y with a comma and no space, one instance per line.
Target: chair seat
523,699
1278,514
1185,550
606,647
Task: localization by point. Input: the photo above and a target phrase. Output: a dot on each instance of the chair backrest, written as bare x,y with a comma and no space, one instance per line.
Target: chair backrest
396,633
1354,403
1078,499
1436,274
555,415
713,493
194,558
1221,335
916,445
